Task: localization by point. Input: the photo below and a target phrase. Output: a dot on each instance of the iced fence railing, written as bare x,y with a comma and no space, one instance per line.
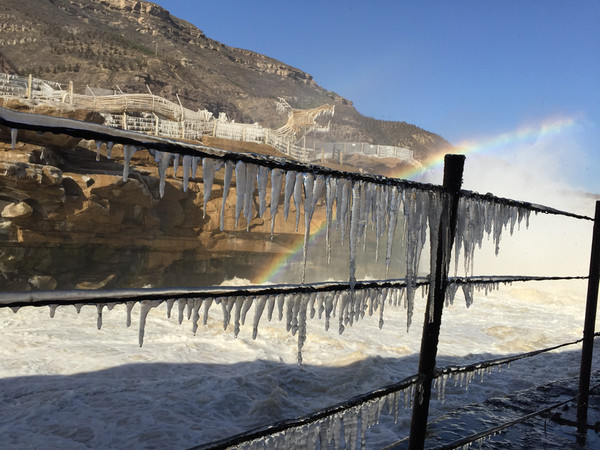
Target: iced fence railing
362,204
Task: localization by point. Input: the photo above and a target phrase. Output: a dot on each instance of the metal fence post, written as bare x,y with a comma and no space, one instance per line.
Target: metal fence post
587,348
453,172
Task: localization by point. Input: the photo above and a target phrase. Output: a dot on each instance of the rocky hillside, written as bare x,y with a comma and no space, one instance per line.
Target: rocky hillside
133,44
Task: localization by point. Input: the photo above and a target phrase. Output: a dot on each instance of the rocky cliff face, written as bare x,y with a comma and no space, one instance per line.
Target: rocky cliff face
137,45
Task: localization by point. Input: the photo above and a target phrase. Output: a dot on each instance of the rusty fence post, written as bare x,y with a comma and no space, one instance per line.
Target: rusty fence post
587,348
453,172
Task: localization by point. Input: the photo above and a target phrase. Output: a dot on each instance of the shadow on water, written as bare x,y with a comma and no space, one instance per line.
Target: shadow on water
165,405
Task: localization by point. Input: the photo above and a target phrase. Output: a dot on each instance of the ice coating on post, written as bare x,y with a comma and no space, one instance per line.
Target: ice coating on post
165,160
240,185
298,197
208,175
128,151
290,181
251,173
262,178
276,181
14,132
187,165
226,184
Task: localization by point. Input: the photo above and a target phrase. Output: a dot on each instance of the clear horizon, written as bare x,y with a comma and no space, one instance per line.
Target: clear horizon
470,72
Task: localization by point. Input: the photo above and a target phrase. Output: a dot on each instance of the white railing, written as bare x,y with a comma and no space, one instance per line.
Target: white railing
151,114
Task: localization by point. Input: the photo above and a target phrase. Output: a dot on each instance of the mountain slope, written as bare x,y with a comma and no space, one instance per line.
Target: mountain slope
133,44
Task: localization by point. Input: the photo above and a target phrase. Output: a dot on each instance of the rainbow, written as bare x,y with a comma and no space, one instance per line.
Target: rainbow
530,133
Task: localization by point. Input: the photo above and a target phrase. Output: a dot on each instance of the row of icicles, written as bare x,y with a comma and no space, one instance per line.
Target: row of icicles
357,204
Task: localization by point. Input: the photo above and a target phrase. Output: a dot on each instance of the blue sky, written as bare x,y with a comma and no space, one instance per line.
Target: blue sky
467,70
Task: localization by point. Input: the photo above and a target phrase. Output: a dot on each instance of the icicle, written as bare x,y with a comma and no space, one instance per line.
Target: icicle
128,151
262,178
247,304
170,303
290,181
146,306
196,315
353,238
99,317
251,174
98,145
344,187
77,306
181,308
187,165
468,292
298,197
176,164
165,160
270,307
52,310
195,162
331,184
207,304
129,308
226,184
109,147
280,303
302,326
208,175
14,132
240,185
238,303
350,421
189,303
309,187
276,181
260,306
